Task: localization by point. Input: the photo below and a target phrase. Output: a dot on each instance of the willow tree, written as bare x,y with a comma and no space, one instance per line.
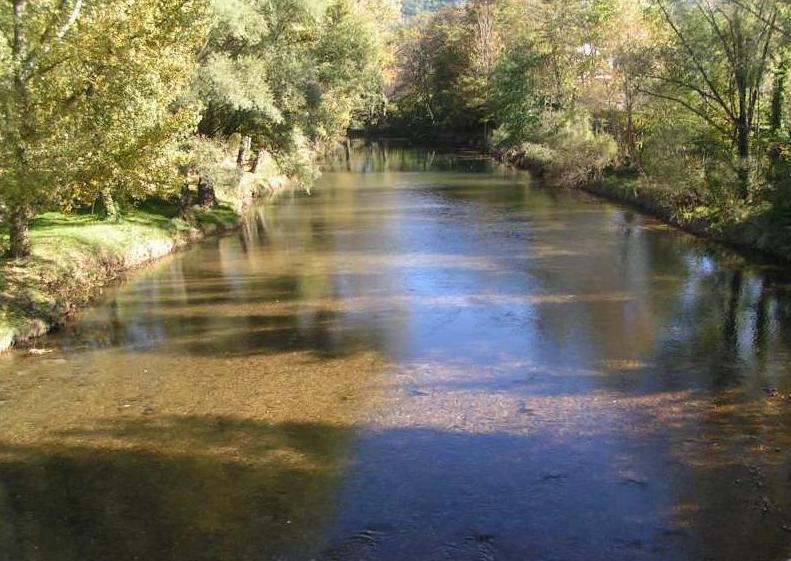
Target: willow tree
233,81
348,60
86,99
291,73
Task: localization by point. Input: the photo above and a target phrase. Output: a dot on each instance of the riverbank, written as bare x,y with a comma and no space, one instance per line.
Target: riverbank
75,255
744,229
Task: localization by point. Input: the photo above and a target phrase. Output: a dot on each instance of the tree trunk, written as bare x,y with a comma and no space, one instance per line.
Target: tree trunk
260,159
777,118
18,228
777,114
185,201
244,150
631,134
110,208
206,196
256,162
742,139
743,152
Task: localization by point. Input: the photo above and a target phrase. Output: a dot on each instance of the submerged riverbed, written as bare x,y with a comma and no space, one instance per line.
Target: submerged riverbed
425,358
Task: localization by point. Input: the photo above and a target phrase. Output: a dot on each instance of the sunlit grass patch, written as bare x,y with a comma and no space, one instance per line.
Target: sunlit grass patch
220,218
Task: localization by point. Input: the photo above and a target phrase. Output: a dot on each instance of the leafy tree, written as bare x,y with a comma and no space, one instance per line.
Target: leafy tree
86,94
288,68
444,69
715,66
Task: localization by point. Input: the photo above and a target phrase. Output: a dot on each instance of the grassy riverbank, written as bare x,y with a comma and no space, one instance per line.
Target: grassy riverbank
738,225
75,255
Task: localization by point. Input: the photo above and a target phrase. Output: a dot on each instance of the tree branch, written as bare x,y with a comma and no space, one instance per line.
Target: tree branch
75,13
708,99
709,15
44,42
691,108
756,82
715,94
784,32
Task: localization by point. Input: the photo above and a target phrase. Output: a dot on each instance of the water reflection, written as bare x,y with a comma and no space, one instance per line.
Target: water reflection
426,357
393,156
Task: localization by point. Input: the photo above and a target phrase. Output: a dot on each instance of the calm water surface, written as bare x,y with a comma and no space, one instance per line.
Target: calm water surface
427,358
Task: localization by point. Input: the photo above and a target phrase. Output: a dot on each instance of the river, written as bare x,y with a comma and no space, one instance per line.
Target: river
427,357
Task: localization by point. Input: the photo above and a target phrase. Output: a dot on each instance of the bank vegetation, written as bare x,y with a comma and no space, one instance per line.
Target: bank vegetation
679,106
128,127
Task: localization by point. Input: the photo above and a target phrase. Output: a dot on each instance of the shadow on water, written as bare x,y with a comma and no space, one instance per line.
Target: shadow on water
210,488
168,488
194,328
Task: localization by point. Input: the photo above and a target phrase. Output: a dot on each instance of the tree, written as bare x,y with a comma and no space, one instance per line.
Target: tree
444,66
631,47
277,70
715,66
86,94
348,58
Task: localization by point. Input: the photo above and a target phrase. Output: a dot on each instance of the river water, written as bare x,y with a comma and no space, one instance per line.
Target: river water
426,358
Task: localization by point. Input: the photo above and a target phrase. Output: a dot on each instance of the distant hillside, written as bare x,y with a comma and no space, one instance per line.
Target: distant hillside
413,7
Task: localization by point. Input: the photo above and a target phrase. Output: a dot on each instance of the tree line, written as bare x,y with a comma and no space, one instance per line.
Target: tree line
120,100
687,96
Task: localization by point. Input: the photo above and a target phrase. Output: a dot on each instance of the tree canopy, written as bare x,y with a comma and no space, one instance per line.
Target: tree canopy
126,99
109,97
636,86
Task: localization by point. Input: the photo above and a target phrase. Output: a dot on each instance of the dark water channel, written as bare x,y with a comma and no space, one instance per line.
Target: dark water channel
425,358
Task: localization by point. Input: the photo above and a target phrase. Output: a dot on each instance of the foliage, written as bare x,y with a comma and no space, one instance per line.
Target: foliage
566,149
412,8
103,98
291,64
515,98
86,98
125,98
444,69
211,160
688,94
297,159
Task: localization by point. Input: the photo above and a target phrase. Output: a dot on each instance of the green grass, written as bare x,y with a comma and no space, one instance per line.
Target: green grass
221,218
73,255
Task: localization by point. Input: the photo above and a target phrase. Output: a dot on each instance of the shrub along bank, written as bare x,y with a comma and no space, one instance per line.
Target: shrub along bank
648,102
694,212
